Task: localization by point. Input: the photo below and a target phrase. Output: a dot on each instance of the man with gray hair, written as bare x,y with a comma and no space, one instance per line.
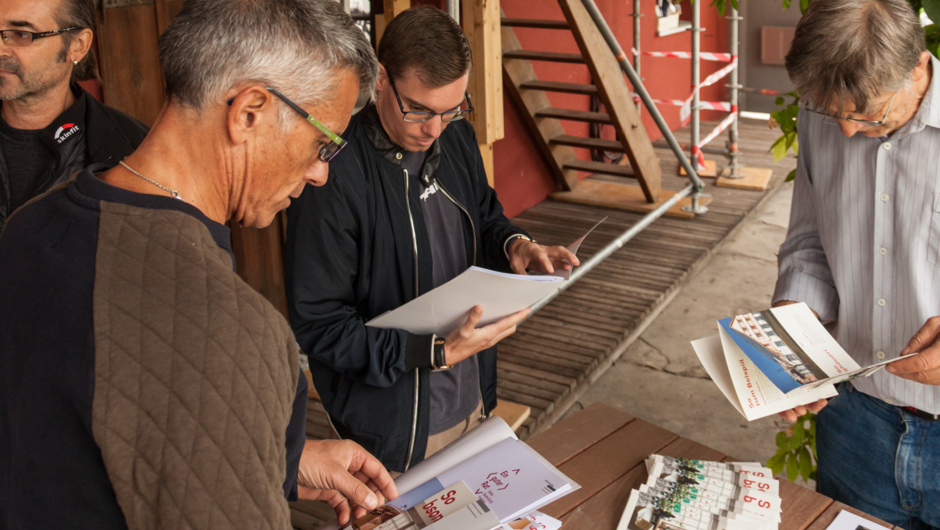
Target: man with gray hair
142,383
863,248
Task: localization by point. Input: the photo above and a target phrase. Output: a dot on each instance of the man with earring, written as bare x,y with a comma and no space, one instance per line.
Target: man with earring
50,127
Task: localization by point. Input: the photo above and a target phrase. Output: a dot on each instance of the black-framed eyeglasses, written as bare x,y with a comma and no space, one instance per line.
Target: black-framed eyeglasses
18,37
867,123
414,116
328,151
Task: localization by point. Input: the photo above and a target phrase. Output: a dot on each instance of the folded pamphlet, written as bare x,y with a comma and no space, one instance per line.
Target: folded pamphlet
770,361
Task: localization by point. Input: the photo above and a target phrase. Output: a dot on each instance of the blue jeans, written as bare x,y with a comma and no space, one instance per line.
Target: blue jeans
878,459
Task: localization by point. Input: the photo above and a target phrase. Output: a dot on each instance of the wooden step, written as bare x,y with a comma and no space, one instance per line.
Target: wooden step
534,23
574,115
601,168
588,143
554,86
554,57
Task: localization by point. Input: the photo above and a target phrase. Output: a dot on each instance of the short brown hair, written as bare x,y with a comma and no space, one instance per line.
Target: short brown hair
78,13
429,41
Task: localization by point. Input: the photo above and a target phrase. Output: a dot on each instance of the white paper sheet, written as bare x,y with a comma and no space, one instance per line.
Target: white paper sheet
849,521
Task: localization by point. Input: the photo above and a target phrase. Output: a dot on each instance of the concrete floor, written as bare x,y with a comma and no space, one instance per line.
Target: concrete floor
659,378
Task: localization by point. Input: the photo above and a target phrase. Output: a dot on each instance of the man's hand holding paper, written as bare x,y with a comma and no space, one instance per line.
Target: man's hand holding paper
525,254
468,339
923,351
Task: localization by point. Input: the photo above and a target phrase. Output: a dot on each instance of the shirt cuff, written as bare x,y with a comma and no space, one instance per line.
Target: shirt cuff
819,295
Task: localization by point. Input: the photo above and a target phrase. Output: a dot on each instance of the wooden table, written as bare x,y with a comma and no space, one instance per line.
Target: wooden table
602,449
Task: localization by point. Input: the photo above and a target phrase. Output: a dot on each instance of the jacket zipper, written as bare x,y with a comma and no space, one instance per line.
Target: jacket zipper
473,235
414,243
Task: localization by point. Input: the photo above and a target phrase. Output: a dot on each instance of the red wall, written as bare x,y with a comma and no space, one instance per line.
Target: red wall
522,178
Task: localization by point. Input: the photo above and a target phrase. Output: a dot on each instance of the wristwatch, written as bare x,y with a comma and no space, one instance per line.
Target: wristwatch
439,359
512,238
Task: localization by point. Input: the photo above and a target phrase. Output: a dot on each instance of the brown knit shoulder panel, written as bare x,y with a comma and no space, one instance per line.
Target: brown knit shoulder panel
195,374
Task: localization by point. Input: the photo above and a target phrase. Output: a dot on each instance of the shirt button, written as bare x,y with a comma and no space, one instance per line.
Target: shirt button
398,156
887,146
882,251
881,302
884,197
881,355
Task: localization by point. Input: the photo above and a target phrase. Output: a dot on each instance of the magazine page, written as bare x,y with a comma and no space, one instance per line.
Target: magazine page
789,345
712,356
510,480
757,395
450,500
647,512
420,482
574,250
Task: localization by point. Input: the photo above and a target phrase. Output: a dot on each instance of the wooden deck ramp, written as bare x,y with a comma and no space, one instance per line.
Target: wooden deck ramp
555,355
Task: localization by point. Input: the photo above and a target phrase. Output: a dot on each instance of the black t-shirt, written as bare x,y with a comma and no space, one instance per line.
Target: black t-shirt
455,393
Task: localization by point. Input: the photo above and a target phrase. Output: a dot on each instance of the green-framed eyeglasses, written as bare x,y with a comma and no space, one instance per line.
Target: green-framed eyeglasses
328,151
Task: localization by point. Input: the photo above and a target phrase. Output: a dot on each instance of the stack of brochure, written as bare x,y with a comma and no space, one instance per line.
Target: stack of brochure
701,495
491,477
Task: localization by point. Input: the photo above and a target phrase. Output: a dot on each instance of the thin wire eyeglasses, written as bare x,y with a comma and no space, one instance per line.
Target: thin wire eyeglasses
867,123
18,37
328,151
414,116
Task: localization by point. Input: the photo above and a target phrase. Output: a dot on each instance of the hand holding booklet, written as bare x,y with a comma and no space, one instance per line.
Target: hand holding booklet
501,294
770,361
491,478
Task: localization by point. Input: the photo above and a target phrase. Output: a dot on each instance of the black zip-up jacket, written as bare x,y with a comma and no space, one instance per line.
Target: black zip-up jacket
106,137
350,256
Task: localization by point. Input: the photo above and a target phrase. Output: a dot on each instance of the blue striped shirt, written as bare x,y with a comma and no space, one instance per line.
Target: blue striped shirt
863,246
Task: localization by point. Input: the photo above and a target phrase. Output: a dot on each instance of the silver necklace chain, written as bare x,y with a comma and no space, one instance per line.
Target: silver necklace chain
175,194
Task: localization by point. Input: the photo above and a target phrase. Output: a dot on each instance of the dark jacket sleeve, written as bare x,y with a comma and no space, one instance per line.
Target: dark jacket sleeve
495,227
324,257
296,437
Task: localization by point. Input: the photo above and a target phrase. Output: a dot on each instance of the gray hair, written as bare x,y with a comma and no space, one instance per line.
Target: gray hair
296,46
850,50
80,14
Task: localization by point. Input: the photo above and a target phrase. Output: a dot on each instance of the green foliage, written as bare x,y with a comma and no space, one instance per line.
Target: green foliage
796,449
785,118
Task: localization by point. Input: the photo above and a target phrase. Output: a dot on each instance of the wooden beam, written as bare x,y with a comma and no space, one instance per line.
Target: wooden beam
616,96
393,8
486,152
481,24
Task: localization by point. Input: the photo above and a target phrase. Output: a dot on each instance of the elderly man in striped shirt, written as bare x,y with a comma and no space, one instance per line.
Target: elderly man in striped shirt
863,248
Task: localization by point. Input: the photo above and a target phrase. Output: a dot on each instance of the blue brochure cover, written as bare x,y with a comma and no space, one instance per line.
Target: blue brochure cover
762,358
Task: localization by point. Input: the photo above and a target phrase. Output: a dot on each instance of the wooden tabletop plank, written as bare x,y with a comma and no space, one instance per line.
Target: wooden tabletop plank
570,437
801,506
603,510
609,459
824,520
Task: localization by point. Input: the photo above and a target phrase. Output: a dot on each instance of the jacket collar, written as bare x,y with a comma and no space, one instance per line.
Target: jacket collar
388,149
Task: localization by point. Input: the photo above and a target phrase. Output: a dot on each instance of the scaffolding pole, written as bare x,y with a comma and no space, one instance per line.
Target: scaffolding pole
696,42
733,45
636,44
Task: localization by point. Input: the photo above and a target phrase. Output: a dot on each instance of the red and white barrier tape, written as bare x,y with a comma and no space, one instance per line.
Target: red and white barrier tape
705,56
697,149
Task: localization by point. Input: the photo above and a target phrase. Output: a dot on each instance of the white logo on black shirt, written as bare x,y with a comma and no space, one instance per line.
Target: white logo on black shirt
429,191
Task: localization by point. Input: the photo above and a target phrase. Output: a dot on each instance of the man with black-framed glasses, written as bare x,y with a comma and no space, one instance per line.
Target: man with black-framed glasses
50,127
407,207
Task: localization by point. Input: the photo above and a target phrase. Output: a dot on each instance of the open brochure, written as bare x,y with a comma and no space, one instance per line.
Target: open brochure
770,361
445,308
507,477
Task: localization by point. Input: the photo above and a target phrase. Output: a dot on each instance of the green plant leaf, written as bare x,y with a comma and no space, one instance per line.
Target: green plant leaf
806,464
796,151
793,467
796,441
790,176
782,441
776,462
932,8
779,148
780,101
803,5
